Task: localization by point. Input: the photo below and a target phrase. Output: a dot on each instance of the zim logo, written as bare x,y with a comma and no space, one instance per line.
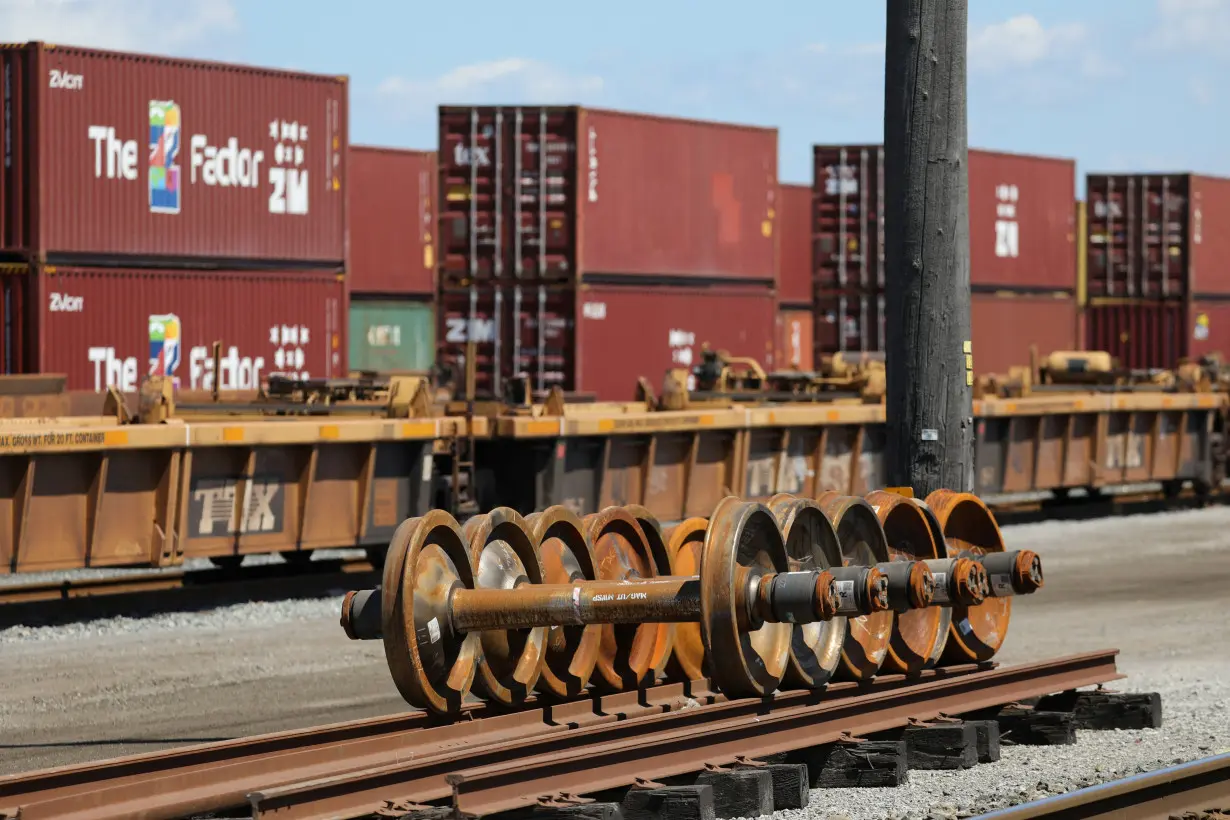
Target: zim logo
66,81
63,303
481,330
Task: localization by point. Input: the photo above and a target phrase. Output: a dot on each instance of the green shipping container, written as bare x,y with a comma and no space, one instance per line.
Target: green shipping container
391,336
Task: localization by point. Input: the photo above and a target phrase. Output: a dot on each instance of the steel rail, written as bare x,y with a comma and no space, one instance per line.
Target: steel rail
1199,786
487,780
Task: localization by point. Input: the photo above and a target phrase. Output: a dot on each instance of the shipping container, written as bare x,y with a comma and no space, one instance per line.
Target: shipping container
794,284
795,340
622,333
111,327
1006,325
1022,226
1157,236
848,322
392,221
568,194
1139,334
391,336
110,157
1208,329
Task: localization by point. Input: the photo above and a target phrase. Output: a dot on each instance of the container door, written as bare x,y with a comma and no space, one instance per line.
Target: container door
848,220
392,337
472,195
543,194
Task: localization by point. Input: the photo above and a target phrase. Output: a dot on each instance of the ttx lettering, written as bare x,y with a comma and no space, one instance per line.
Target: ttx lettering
217,509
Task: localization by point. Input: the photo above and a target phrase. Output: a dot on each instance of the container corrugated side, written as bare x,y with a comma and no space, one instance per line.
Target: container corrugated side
1022,227
794,284
551,195
392,221
111,326
626,333
389,336
1210,237
1005,326
154,158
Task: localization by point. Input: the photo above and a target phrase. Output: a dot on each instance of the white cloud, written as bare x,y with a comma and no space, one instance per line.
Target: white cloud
1192,24
513,79
124,25
1022,41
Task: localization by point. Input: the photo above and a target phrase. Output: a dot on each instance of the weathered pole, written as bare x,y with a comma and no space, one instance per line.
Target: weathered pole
926,223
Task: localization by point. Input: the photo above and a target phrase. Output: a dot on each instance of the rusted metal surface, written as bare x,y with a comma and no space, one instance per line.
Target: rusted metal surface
910,537
111,327
976,632
127,155
346,769
568,194
1200,788
684,545
863,543
794,283
795,340
613,755
392,221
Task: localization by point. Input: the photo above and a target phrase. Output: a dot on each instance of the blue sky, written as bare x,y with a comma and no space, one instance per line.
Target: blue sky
1117,85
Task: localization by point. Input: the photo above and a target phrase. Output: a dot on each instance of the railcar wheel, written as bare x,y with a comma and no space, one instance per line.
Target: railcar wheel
742,537
862,544
684,543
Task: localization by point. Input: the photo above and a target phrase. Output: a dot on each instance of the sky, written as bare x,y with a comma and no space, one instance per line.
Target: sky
1117,85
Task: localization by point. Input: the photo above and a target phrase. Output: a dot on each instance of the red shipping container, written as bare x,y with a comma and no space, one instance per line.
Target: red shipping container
1154,236
1005,326
121,155
107,326
567,194
1141,335
794,287
622,333
849,322
392,221
795,341
1208,329
1022,228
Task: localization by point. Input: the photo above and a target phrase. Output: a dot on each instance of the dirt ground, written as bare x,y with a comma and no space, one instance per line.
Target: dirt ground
1152,586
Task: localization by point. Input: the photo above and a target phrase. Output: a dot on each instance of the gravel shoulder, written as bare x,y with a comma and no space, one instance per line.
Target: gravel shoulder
1152,586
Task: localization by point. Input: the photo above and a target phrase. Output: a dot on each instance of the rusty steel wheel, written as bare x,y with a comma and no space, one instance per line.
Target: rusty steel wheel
684,543
503,554
662,561
911,537
628,652
811,544
862,544
742,537
432,665
571,651
977,632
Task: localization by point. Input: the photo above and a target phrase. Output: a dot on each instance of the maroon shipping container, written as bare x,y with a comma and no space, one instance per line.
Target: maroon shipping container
112,327
1005,326
1208,329
794,287
567,194
392,221
795,342
1154,236
113,155
1022,228
622,333
849,322
1141,335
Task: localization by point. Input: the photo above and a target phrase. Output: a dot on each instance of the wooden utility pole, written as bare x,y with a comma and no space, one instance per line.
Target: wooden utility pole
926,221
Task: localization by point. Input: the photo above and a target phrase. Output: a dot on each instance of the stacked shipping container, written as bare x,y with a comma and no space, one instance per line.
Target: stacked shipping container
794,286
1157,267
392,259
583,249
161,185
1022,247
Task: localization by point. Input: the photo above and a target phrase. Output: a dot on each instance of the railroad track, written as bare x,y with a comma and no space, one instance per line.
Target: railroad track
1199,790
543,755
